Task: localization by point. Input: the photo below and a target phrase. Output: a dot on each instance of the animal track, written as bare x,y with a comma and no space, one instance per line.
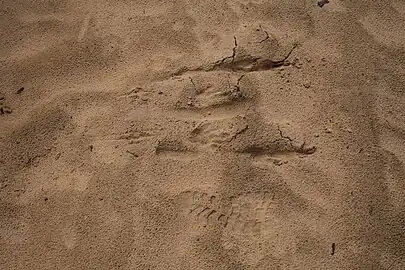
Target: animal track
249,63
278,152
206,134
214,92
134,136
243,214
138,94
219,131
175,149
248,56
240,63
210,91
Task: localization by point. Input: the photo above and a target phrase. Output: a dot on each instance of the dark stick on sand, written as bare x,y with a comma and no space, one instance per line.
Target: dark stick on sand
321,3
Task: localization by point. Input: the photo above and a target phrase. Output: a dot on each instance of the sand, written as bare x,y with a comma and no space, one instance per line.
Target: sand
261,134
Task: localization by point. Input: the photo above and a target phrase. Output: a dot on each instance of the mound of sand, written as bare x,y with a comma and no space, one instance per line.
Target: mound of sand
238,134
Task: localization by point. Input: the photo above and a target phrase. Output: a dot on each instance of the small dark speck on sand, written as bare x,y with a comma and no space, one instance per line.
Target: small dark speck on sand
19,91
321,3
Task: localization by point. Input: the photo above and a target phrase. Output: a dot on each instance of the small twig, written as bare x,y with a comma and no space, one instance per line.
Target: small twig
195,87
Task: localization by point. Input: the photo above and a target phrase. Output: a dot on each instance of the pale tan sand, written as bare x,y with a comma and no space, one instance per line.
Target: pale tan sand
202,134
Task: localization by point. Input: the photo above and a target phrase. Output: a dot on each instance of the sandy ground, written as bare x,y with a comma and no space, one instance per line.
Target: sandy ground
237,134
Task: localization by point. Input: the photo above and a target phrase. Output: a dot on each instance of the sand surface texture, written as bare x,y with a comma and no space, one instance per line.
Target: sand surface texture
235,134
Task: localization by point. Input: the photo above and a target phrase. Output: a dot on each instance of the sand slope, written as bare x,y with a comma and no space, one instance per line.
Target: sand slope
202,134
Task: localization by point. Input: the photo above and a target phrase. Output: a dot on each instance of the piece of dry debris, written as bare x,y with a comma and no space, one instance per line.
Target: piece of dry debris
321,3
5,110
19,91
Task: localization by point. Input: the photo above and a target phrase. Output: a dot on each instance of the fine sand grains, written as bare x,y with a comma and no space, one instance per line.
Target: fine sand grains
202,134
